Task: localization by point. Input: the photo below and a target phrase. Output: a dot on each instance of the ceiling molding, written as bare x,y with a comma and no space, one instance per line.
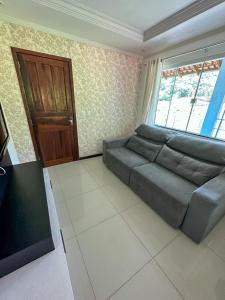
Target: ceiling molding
205,40
35,26
86,14
185,14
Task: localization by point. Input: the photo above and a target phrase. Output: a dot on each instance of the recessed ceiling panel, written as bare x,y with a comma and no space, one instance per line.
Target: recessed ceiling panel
140,14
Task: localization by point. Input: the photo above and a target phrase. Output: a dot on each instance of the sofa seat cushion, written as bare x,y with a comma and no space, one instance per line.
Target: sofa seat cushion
194,170
122,160
143,147
167,193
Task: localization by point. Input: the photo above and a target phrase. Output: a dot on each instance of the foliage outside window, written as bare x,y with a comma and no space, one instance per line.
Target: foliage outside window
191,99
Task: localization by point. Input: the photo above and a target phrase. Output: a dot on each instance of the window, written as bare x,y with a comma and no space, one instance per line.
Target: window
219,128
192,98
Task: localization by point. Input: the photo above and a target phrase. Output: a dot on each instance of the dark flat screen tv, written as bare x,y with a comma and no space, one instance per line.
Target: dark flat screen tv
4,134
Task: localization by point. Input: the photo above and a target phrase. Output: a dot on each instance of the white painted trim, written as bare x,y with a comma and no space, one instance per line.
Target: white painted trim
185,14
213,51
12,152
9,19
202,41
86,14
11,147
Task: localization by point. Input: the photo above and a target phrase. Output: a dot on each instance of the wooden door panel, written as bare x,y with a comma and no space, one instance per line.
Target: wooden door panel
33,73
67,87
48,88
59,87
55,143
45,60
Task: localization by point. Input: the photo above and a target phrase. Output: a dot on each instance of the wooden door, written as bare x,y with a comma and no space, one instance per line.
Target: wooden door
47,89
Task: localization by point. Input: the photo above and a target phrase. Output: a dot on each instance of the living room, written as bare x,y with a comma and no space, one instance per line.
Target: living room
112,150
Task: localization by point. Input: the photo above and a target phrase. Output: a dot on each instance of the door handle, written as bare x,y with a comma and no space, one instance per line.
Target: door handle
71,121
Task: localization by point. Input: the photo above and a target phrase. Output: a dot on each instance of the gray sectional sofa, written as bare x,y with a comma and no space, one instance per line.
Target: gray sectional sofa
182,177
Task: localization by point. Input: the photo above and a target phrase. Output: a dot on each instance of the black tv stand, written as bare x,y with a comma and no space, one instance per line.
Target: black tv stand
25,232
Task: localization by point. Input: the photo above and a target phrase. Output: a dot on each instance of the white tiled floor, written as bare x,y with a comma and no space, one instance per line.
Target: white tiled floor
119,249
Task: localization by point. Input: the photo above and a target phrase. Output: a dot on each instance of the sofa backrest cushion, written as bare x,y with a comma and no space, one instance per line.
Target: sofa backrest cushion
147,149
154,133
190,168
201,148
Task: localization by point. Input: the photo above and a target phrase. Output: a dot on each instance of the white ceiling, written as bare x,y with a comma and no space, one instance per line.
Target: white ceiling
140,14
189,30
121,24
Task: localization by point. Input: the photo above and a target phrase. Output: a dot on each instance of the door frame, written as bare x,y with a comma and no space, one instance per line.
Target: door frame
15,52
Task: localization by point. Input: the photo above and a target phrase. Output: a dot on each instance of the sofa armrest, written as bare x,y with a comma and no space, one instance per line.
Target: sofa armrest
206,208
114,143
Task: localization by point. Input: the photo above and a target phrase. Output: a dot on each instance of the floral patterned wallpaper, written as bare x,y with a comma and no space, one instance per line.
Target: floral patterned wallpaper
105,86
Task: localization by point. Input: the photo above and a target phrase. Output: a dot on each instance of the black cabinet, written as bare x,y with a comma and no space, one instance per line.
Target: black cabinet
25,232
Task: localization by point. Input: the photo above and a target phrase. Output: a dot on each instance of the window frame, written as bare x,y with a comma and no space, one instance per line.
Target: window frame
190,133
190,58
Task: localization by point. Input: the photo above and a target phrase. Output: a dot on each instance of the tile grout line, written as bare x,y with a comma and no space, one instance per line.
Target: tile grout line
86,269
91,171
69,239
211,249
151,256
67,211
108,218
167,245
81,193
83,261
110,201
155,259
76,237
78,247
113,204
70,219
137,237
117,214
78,195
86,171
120,213
132,276
179,292
101,187
98,187
93,226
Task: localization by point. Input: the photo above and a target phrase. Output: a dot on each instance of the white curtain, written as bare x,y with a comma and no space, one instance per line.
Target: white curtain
149,85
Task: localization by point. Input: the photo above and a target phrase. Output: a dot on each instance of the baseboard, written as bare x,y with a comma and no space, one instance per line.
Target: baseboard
90,156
